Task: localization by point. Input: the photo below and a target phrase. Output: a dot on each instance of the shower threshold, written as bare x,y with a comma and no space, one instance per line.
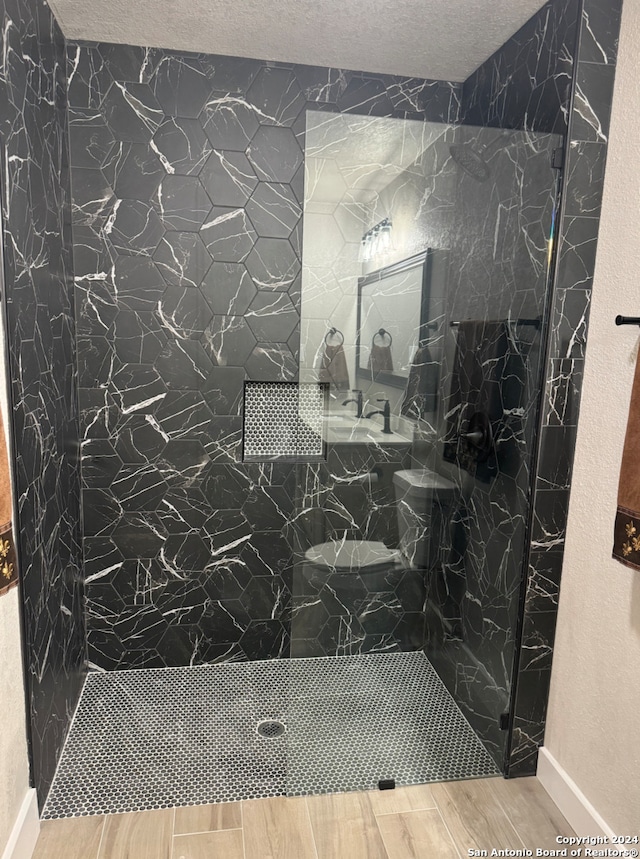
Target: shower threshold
158,738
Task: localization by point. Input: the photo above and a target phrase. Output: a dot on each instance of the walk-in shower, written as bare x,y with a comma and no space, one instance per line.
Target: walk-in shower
310,351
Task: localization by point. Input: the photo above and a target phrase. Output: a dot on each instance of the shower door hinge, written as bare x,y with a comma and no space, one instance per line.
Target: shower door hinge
557,158
504,721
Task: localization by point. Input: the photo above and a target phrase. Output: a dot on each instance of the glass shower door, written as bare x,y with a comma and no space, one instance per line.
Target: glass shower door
425,265
493,337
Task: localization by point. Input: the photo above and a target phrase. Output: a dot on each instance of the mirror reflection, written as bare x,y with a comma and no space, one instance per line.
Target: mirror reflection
393,323
377,209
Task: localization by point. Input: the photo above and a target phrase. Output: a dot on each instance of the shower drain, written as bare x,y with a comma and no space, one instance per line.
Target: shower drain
270,728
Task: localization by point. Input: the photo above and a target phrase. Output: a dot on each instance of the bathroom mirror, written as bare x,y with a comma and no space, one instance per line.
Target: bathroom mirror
392,320
361,171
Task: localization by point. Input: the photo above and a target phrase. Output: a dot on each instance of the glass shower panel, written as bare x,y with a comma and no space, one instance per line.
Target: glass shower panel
425,263
377,195
493,337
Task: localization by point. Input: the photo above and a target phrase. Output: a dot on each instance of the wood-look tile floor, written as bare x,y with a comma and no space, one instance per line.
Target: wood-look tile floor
439,821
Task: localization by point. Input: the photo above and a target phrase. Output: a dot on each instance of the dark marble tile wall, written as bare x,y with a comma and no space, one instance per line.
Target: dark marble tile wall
472,629
38,279
551,76
554,76
526,84
187,192
569,314
497,271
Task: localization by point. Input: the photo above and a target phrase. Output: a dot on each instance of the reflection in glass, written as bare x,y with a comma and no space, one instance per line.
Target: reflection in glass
414,540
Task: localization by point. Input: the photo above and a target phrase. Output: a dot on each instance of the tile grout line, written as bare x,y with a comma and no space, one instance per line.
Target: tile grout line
508,816
244,848
104,826
449,833
444,822
208,831
173,832
405,810
313,834
380,833
502,809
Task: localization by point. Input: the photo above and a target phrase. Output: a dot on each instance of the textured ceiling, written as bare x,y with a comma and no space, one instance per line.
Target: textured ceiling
441,39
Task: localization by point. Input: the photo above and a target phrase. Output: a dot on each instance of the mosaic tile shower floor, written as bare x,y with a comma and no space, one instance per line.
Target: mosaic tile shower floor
157,738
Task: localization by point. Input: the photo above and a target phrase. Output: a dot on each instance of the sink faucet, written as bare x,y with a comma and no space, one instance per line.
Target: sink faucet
386,414
357,400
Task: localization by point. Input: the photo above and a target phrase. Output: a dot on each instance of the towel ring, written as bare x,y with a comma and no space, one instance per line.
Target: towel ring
382,333
334,332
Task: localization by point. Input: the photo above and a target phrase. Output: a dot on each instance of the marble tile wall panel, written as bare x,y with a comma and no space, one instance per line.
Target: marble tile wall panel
38,289
501,230
569,316
526,84
555,75
187,193
579,104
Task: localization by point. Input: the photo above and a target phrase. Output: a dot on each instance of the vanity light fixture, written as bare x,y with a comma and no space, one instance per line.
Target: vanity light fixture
377,240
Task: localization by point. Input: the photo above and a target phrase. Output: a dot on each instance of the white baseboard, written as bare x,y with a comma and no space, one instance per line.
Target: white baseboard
22,841
566,794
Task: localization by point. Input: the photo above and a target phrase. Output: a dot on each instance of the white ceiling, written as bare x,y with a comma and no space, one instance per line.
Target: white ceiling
441,39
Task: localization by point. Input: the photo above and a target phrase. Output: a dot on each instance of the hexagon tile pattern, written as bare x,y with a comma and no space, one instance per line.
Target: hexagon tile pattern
186,178
349,722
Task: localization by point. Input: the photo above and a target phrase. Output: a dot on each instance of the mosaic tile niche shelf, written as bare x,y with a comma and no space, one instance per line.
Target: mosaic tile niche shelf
283,420
157,738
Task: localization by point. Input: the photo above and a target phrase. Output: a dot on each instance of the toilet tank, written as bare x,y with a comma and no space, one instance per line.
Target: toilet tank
422,496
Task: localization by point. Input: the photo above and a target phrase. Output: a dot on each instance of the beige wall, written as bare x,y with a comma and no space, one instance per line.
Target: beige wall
14,767
594,710
14,770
